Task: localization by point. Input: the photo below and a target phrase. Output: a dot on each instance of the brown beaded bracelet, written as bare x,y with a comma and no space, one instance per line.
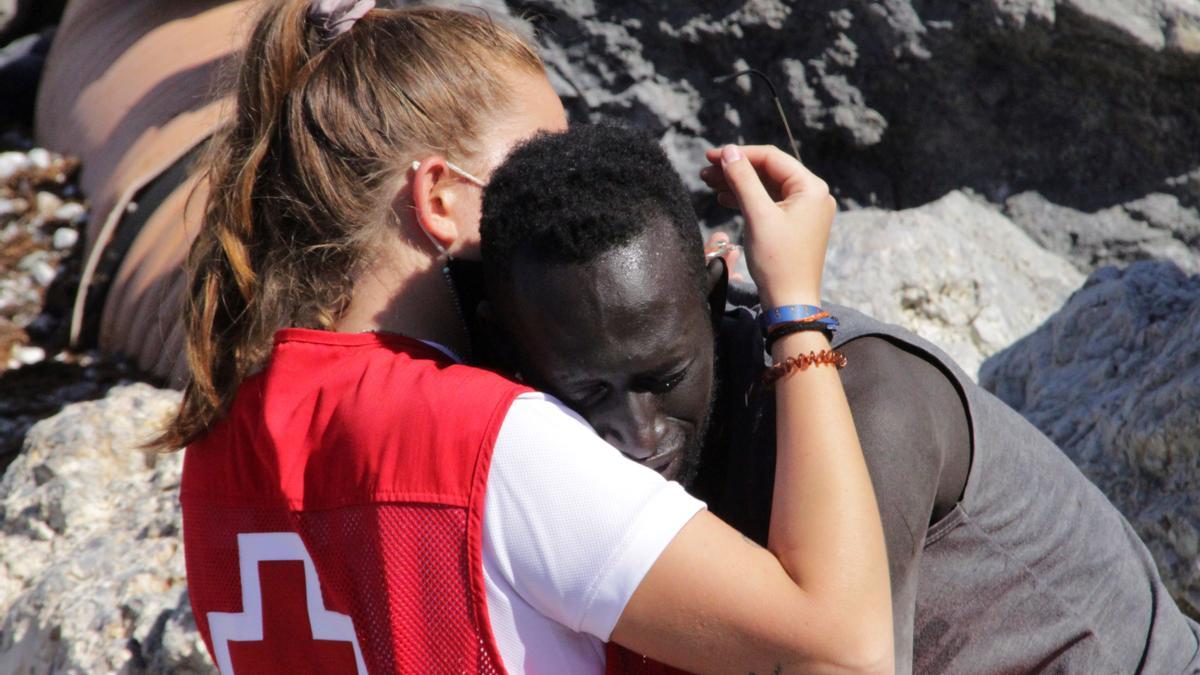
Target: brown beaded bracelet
825,357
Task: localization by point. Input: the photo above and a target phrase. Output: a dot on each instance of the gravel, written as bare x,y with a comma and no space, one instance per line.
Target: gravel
41,215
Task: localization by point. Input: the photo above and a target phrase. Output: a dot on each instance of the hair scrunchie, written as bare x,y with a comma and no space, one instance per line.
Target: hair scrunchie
334,17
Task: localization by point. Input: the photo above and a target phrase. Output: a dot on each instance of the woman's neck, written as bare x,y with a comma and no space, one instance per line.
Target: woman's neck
408,294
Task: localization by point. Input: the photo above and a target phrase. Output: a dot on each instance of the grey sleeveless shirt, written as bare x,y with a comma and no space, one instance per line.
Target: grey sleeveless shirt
1034,570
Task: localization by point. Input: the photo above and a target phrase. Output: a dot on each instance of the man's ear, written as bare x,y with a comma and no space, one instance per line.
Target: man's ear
496,349
717,282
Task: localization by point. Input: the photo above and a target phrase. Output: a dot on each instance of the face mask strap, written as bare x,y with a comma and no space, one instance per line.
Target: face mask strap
456,169
436,244
465,174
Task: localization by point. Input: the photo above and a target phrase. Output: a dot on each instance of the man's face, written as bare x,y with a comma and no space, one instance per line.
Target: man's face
626,341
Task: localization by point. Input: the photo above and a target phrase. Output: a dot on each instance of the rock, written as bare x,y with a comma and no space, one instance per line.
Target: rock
31,259
64,237
92,576
1089,102
14,206
12,163
71,212
32,392
36,266
47,203
40,158
1114,379
43,273
956,272
26,355
1155,227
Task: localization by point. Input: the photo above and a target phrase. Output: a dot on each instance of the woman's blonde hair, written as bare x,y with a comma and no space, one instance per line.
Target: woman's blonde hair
299,179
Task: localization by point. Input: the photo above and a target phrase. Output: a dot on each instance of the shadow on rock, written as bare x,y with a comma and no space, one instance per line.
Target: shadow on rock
38,391
896,103
1114,379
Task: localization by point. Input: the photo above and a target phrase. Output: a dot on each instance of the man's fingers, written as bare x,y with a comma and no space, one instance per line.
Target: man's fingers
744,182
727,200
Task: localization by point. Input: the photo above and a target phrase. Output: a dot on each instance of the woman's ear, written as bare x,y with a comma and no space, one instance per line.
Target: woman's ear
438,202
717,282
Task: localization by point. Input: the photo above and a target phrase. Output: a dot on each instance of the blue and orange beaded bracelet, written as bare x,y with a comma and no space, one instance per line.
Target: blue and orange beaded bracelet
787,319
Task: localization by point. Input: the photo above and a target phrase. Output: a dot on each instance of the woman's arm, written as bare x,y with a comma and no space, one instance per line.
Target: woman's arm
818,600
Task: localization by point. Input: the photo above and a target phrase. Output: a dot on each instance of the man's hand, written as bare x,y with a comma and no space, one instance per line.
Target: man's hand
789,213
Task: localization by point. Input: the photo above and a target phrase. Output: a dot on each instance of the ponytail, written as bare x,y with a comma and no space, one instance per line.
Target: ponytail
299,178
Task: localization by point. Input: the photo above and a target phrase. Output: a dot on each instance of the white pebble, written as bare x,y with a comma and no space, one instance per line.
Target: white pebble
31,260
71,212
11,163
8,296
10,207
43,273
28,355
40,157
47,203
65,238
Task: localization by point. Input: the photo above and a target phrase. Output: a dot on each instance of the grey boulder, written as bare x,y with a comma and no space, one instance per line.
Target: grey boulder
91,575
1114,379
1154,227
955,271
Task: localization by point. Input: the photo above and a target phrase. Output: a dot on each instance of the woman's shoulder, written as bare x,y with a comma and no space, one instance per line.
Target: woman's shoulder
375,363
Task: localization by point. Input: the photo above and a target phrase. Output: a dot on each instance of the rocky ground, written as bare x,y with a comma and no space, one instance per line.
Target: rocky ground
93,576
41,214
91,568
1020,183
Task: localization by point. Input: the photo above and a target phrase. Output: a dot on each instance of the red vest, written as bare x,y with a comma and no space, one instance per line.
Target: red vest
333,520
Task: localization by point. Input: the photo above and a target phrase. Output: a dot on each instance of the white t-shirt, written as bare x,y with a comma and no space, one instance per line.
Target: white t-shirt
570,528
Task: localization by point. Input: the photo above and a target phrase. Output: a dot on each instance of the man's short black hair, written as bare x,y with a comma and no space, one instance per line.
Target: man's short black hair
571,196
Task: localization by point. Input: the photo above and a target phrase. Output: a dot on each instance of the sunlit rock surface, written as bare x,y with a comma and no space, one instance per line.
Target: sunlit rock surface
91,574
955,271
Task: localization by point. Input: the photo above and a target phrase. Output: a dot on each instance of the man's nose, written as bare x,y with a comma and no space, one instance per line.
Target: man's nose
636,426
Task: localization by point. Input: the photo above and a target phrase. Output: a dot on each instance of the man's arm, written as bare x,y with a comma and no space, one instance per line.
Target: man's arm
915,437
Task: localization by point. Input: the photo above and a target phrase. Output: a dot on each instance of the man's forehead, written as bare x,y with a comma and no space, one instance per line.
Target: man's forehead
630,281
636,297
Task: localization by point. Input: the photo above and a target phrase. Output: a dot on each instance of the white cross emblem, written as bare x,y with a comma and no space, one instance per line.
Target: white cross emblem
247,625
